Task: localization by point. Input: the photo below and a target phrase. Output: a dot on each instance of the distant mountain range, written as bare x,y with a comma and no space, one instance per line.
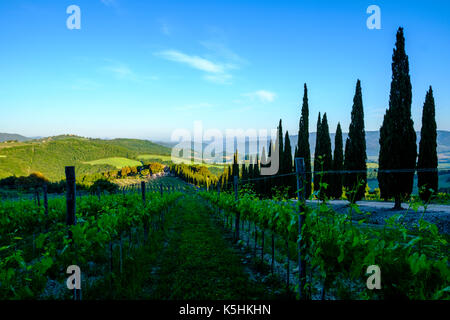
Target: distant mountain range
372,144
13,137
21,155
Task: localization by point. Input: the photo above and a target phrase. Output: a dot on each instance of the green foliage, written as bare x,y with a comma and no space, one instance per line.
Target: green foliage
25,268
199,258
198,175
102,186
414,263
116,162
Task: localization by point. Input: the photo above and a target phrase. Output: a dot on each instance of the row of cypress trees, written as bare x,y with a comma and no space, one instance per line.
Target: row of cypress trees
398,150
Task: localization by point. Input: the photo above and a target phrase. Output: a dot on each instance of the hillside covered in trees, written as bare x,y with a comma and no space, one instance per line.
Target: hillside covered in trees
50,155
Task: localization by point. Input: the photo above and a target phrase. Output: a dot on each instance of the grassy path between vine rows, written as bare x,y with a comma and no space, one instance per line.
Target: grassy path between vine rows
198,262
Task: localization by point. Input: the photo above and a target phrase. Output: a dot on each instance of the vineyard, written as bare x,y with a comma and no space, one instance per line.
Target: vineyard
111,232
178,242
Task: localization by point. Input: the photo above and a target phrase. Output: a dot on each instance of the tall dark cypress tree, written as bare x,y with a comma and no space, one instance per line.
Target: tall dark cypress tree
398,149
279,146
355,150
338,164
289,181
325,145
278,149
244,174
251,173
302,148
427,150
317,152
235,171
259,184
268,183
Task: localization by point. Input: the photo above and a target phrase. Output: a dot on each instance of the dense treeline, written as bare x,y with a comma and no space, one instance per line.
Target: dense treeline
144,171
197,175
36,180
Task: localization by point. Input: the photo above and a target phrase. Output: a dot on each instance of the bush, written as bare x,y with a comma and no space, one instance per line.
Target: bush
103,185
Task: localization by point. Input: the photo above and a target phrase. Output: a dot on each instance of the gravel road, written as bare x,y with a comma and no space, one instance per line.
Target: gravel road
435,213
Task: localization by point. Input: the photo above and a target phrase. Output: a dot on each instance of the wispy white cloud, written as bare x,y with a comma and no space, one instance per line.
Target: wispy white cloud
221,50
121,72
263,96
215,72
195,62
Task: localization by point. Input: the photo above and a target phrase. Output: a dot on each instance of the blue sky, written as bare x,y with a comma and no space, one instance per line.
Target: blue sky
144,68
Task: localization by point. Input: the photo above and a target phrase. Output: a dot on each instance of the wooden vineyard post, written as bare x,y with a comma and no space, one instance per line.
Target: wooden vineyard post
218,198
44,191
110,263
143,191
121,254
238,214
162,190
300,174
38,199
146,222
71,218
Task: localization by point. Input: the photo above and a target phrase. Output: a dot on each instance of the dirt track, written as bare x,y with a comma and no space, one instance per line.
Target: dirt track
437,214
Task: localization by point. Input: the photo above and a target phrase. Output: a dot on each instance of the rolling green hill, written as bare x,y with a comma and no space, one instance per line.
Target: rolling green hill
12,136
51,155
117,162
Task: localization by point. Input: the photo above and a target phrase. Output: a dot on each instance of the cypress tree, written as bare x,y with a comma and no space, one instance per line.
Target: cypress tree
256,174
427,150
338,164
235,171
289,181
355,150
325,145
317,161
269,181
251,173
280,149
244,174
302,148
398,149
256,167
